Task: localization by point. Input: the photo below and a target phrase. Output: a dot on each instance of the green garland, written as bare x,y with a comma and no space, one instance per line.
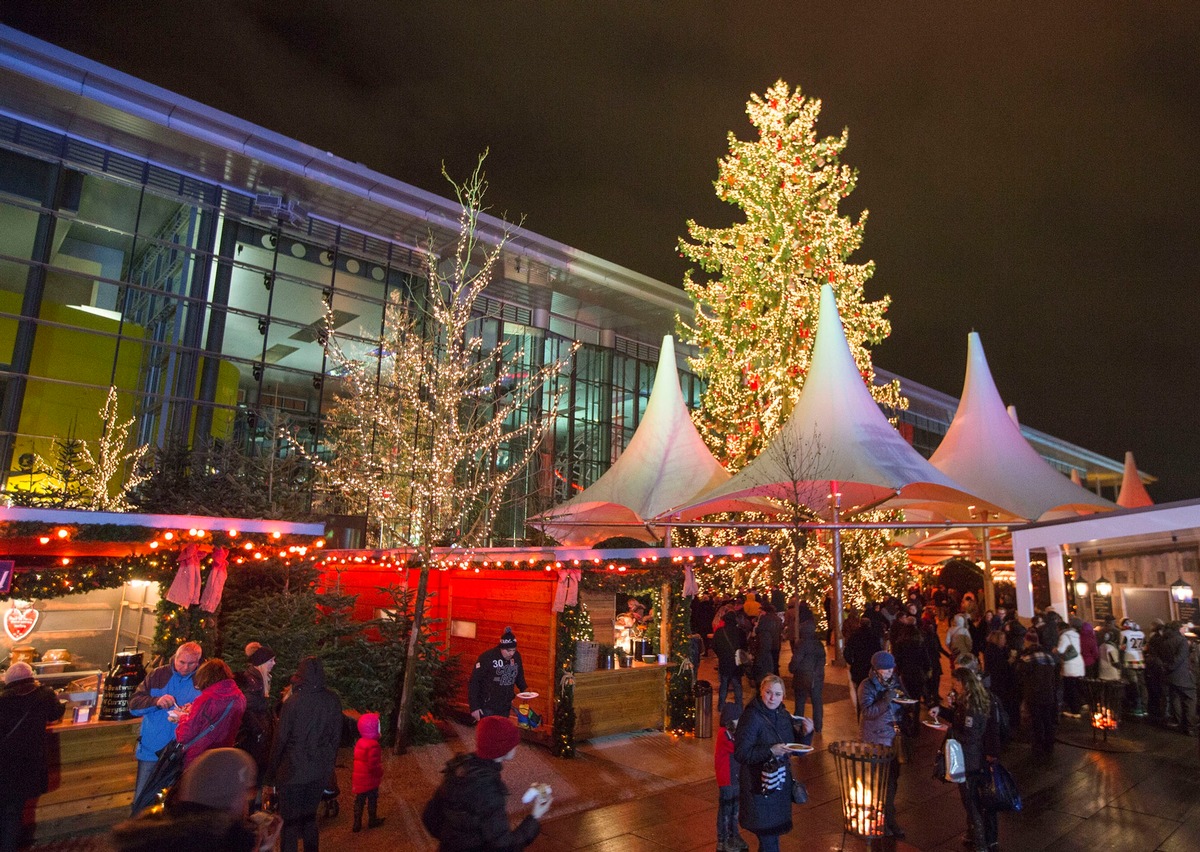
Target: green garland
574,625
41,583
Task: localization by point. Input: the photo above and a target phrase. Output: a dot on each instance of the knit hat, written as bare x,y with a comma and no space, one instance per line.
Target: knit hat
508,640
882,660
18,671
261,654
495,736
219,778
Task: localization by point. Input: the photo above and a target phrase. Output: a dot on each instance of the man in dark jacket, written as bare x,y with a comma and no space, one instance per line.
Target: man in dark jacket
26,708
1037,676
879,717
808,672
467,813
304,753
859,647
1177,671
727,641
490,692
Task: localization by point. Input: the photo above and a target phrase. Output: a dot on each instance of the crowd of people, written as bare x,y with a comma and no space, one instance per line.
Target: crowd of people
237,740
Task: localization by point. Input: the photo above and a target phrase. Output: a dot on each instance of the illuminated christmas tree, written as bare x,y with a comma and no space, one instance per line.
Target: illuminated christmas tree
755,324
433,426
756,310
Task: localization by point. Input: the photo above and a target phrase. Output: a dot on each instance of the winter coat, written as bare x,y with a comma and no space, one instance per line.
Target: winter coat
309,731
492,681
1089,648
769,631
1175,654
958,637
860,647
725,765
912,663
1037,674
727,641
758,730
976,733
808,661
467,812
1069,638
258,721
26,708
1110,662
185,827
878,714
368,756
207,709
157,730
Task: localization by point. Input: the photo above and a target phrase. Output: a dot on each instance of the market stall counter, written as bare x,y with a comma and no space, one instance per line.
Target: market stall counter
620,700
92,774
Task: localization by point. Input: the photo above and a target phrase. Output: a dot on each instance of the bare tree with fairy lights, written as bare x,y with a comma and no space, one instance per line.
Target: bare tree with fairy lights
432,426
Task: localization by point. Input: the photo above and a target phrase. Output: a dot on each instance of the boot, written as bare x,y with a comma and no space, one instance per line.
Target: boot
374,822
734,843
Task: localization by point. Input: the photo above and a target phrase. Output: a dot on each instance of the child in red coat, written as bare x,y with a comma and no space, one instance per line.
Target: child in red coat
368,771
729,838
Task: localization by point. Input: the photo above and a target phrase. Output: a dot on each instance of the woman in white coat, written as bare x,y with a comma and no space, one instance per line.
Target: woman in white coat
1069,654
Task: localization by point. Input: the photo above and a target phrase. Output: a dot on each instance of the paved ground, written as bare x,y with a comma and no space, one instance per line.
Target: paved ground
652,792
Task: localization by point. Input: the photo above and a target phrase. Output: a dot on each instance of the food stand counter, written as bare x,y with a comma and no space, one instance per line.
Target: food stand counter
620,700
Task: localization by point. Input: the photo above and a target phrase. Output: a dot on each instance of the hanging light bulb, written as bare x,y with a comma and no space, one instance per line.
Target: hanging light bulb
1181,591
1103,587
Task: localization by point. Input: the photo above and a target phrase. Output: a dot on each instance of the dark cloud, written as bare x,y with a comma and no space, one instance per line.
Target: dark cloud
1029,168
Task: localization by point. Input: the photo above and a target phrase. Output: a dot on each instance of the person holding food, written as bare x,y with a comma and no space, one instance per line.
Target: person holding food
158,701
496,672
879,718
762,747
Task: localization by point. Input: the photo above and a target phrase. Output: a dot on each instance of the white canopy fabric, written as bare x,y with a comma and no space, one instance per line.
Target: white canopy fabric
1133,493
665,464
837,439
985,451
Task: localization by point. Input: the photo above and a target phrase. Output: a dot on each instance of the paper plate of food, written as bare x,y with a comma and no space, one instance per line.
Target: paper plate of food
901,699
798,748
527,695
937,726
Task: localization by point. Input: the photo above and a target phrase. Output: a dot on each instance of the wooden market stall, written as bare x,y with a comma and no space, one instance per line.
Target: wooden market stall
474,595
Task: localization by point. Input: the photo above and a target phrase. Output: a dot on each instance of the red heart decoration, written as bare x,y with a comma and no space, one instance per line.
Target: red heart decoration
19,623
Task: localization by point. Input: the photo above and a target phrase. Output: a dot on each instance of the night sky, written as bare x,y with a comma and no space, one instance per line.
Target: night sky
1031,170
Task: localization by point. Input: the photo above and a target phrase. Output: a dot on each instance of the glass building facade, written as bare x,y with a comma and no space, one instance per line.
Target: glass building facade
187,259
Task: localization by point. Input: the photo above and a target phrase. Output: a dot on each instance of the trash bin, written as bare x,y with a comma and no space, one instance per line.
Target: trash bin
704,693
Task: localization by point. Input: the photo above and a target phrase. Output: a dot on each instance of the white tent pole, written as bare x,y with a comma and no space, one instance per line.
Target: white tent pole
839,604
989,587
1058,585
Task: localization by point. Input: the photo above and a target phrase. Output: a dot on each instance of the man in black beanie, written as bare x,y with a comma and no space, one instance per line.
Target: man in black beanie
496,672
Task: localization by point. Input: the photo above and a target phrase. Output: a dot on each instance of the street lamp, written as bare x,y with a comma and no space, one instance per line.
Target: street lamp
1181,591
1103,587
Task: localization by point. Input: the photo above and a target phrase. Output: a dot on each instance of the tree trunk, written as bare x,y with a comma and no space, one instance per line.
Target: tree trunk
410,661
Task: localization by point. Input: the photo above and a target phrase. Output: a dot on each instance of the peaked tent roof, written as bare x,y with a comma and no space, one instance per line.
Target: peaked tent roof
1133,493
837,437
665,464
985,451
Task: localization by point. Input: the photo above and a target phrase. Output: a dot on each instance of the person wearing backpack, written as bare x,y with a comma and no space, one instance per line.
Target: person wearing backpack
467,812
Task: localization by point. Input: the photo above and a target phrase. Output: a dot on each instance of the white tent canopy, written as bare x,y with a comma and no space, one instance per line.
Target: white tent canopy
838,440
1133,494
985,451
665,464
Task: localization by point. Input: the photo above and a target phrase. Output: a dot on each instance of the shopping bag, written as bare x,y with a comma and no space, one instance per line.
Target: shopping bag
163,776
949,763
1000,792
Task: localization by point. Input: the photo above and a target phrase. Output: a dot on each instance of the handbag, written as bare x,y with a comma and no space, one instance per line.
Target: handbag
949,764
999,793
169,766
1071,653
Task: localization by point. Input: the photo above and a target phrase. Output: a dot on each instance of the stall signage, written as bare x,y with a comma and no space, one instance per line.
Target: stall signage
20,621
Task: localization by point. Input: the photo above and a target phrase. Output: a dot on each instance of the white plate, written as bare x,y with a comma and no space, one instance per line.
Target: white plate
936,726
799,748
905,700
527,695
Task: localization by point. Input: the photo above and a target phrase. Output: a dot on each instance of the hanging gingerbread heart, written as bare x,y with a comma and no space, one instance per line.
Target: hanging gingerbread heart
19,623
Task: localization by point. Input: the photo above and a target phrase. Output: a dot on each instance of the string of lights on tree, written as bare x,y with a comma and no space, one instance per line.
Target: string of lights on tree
755,323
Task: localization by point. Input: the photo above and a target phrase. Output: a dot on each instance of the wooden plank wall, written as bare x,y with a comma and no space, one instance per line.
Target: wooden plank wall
92,774
492,600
